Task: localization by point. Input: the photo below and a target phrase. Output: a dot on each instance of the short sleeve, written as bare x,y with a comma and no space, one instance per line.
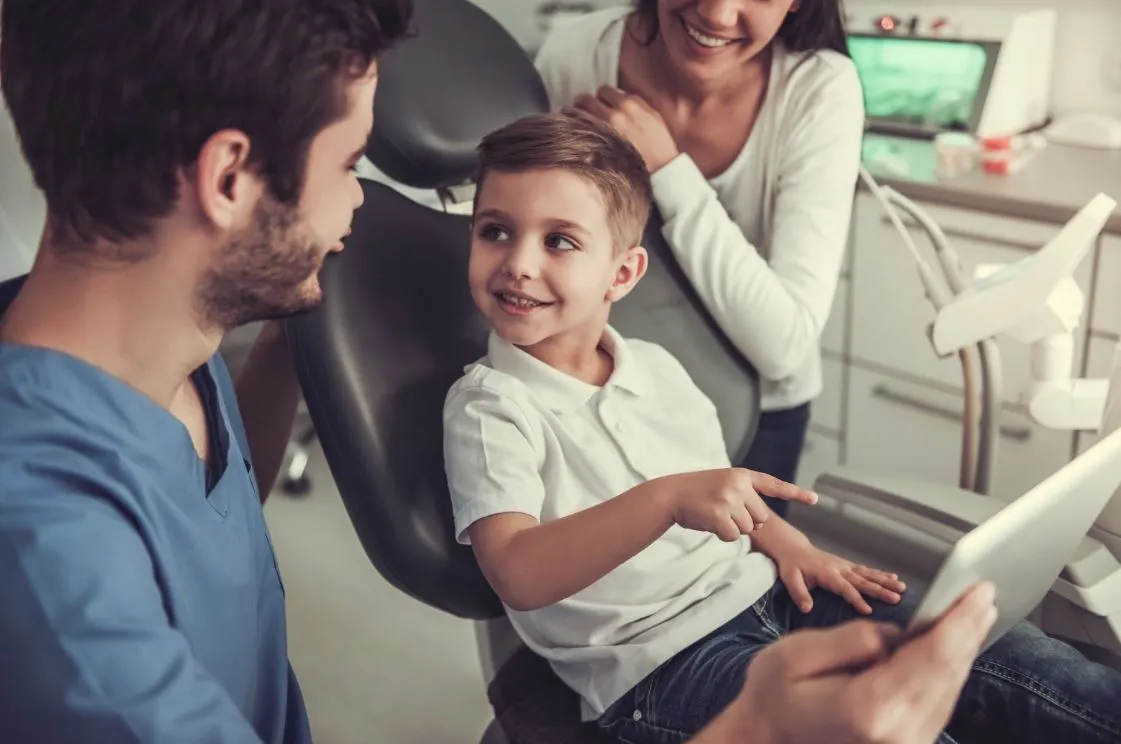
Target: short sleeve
86,647
491,462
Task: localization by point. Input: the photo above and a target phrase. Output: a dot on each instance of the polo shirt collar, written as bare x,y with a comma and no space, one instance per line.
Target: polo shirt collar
559,391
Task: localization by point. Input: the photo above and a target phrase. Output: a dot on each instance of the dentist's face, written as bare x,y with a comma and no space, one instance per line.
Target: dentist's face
710,37
270,269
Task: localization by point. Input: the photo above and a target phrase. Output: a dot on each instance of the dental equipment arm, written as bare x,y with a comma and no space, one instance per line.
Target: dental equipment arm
1035,300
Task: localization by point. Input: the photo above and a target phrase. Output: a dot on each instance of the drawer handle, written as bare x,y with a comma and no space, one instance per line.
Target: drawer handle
966,235
1015,433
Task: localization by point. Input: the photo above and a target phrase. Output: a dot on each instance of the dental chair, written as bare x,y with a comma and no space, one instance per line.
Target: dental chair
397,326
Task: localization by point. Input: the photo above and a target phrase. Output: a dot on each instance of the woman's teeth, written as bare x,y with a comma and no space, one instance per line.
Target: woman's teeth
708,41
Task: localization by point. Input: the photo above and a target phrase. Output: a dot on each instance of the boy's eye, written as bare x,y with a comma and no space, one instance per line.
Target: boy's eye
558,242
494,233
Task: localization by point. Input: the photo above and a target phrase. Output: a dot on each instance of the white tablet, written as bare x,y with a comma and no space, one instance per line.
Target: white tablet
1024,547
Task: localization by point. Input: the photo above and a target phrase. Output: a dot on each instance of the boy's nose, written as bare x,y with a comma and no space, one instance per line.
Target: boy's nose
523,261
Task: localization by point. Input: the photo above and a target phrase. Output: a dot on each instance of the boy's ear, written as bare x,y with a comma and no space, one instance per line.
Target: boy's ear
631,269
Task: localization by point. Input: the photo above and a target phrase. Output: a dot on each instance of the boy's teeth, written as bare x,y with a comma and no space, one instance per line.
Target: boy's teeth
519,301
708,41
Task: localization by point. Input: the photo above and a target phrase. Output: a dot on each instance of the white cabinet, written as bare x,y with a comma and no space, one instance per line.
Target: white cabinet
890,312
821,454
1106,315
833,337
826,410
900,427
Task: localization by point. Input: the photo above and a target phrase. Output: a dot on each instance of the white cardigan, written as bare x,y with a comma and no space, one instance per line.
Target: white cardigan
762,242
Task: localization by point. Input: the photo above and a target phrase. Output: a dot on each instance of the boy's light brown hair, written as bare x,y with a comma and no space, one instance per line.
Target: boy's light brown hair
583,145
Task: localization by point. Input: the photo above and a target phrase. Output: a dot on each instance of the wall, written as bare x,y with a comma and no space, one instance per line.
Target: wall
21,205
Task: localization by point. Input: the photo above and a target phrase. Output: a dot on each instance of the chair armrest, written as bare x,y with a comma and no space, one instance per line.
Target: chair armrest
904,524
943,511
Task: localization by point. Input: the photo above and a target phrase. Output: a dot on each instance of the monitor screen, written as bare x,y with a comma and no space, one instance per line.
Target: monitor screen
927,84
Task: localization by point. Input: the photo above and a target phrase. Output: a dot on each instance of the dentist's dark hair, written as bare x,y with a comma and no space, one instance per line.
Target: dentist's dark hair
816,24
112,99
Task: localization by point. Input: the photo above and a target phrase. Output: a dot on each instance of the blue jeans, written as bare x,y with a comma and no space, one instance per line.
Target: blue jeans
777,448
1025,689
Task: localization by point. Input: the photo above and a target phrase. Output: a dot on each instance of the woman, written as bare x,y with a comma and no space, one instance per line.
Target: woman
749,115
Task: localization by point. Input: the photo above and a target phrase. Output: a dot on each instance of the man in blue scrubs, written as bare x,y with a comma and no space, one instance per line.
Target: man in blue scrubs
197,161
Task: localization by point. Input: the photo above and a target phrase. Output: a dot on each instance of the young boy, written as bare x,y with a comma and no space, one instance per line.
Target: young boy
590,475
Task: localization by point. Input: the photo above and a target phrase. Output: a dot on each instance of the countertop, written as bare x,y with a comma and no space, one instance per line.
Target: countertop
1052,187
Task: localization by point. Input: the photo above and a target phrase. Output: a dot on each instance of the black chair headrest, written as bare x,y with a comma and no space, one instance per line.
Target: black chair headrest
439,93
8,291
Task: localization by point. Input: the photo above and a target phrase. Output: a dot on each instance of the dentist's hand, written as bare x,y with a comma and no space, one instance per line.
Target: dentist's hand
635,120
726,502
845,686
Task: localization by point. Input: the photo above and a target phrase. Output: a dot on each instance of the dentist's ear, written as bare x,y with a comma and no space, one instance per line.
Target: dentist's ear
631,269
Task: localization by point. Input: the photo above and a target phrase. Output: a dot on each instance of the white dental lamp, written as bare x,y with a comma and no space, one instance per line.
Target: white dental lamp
1035,301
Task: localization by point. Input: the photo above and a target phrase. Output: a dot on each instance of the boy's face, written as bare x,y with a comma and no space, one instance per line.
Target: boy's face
543,262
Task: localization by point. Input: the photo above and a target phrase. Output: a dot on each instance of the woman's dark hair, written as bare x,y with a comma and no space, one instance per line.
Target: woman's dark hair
817,24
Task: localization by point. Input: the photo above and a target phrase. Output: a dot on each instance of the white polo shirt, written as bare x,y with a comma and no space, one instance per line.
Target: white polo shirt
520,436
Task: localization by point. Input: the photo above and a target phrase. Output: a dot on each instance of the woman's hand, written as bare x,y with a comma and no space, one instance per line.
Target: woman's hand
635,120
803,568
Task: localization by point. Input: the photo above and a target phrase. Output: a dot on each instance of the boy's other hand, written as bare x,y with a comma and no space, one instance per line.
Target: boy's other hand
727,503
803,568
844,685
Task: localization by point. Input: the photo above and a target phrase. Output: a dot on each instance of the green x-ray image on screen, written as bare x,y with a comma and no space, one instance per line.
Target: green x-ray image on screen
922,82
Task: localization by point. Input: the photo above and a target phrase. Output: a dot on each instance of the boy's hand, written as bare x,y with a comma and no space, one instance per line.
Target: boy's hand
803,567
726,502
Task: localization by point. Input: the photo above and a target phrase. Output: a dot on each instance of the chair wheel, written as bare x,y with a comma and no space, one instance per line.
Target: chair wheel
297,486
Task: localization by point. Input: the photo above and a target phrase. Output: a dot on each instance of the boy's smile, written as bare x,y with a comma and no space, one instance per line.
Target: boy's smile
518,303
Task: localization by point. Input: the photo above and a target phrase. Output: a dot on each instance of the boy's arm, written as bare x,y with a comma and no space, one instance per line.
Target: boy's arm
532,565
497,494
777,536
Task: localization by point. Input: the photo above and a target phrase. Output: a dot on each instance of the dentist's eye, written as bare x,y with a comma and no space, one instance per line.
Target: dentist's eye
558,242
494,233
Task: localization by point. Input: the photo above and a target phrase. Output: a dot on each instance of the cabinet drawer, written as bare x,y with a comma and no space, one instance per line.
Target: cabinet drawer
890,313
821,454
826,410
833,335
1107,292
901,428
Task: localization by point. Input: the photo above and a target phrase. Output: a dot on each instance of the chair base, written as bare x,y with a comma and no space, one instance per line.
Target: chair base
533,706
294,479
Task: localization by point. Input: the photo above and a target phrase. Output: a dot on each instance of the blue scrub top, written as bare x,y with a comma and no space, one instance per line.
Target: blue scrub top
138,601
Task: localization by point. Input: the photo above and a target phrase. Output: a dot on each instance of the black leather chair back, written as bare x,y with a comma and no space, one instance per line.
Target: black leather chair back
8,291
398,325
